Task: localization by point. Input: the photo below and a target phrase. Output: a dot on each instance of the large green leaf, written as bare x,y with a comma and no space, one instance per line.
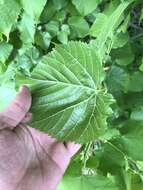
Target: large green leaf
97,182
9,11
68,100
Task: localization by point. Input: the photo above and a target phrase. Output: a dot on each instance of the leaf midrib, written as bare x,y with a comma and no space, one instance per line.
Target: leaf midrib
64,109
67,84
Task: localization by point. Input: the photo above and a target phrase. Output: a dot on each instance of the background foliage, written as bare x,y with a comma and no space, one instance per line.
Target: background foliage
115,29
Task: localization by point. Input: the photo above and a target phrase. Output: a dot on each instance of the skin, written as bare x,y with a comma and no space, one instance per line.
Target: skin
29,159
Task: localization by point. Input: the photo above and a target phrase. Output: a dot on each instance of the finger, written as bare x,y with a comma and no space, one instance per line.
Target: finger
27,118
17,109
72,148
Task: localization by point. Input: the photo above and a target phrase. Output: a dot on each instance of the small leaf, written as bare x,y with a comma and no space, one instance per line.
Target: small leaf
132,142
33,9
5,50
124,55
43,39
60,16
125,24
85,7
111,24
63,34
141,16
27,29
137,114
141,66
59,4
117,79
52,27
98,25
120,40
27,60
79,26
48,12
136,82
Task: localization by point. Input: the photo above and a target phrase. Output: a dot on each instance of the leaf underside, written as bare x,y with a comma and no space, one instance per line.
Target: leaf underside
68,100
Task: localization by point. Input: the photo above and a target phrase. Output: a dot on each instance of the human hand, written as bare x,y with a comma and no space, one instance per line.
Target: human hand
29,159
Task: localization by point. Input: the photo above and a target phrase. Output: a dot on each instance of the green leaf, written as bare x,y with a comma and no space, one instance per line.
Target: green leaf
111,7
120,40
125,24
111,134
79,26
110,157
9,11
27,29
71,9
68,100
33,8
123,56
117,79
59,4
48,12
52,27
137,114
27,60
141,66
97,182
111,24
141,16
43,39
132,142
5,50
85,7
63,34
136,82
2,70
137,186
60,16
92,16
133,100
98,25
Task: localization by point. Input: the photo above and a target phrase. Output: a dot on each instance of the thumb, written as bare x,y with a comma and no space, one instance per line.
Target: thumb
16,110
72,148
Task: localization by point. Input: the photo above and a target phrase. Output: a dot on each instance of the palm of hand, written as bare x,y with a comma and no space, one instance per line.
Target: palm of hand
30,160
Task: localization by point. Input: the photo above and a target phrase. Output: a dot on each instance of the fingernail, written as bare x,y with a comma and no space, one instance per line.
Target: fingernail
22,88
